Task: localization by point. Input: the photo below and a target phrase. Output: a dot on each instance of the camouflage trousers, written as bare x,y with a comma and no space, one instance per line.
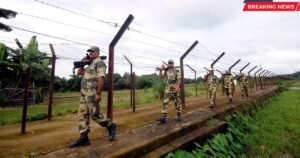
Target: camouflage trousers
228,92
244,91
89,108
171,96
212,94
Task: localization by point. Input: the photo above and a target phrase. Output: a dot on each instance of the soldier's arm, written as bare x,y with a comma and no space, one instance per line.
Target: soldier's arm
160,74
178,84
163,74
101,68
100,84
205,77
80,71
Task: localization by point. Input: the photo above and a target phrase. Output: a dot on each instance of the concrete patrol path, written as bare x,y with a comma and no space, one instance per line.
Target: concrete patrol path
154,140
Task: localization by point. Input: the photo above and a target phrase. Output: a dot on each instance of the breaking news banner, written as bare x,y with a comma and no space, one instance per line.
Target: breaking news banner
270,5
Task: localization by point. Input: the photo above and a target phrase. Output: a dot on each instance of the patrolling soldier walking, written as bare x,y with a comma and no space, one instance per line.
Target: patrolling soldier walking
228,85
212,84
172,90
91,89
244,85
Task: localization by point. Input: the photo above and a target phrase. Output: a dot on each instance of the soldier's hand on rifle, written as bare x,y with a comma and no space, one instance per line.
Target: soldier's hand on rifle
80,71
161,67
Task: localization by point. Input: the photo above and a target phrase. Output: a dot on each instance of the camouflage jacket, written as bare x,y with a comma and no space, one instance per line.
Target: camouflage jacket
243,81
173,76
228,81
212,80
89,82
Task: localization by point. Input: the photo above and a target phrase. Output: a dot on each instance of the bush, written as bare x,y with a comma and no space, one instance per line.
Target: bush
222,145
37,117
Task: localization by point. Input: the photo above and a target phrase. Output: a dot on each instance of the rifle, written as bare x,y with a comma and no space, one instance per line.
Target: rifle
85,61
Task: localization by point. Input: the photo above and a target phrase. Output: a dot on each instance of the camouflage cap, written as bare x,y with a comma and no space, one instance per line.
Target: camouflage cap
171,61
94,49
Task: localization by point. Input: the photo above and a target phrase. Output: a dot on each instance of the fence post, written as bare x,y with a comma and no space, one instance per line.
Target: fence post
215,61
266,79
182,93
234,65
244,67
131,82
255,79
50,103
133,91
212,67
195,76
25,104
249,76
112,45
260,79
25,97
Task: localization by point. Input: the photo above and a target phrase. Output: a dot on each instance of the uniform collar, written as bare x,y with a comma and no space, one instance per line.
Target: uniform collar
97,59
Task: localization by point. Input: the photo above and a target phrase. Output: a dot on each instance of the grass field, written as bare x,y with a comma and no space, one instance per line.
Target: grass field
65,103
274,131
278,127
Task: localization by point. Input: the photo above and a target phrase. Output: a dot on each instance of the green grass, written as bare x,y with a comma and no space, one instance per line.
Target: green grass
278,127
272,132
64,103
294,83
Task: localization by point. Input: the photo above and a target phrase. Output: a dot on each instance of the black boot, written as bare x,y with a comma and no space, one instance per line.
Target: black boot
82,141
178,117
162,119
112,128
211,105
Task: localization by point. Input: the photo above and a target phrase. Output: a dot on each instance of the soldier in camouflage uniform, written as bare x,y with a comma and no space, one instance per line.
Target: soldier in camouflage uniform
172,90
91,89
228,85
244,85
212,84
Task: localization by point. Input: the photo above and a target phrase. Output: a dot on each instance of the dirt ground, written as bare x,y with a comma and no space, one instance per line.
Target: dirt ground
44,136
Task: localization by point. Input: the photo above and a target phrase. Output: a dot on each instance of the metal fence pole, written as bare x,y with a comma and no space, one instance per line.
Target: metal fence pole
195,77
112,45
50,103
25,104
255,79
249,76
131,82
182,93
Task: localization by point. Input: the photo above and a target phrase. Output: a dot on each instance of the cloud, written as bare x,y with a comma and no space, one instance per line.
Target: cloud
262,38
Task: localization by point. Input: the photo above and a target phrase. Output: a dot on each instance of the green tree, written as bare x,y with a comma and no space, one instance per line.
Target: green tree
73,84
6,66
7,14
146,81
159,88
14,64
37,61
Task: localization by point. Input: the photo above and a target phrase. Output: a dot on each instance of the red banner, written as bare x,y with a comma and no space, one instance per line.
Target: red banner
272,6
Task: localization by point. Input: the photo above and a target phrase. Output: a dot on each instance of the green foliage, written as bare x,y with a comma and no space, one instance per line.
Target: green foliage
222,145
278,128
7,14
271,132
211,122
146,81
37,117
159,88
15,62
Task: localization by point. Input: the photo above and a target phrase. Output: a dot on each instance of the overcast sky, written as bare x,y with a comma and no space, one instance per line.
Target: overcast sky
267,39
